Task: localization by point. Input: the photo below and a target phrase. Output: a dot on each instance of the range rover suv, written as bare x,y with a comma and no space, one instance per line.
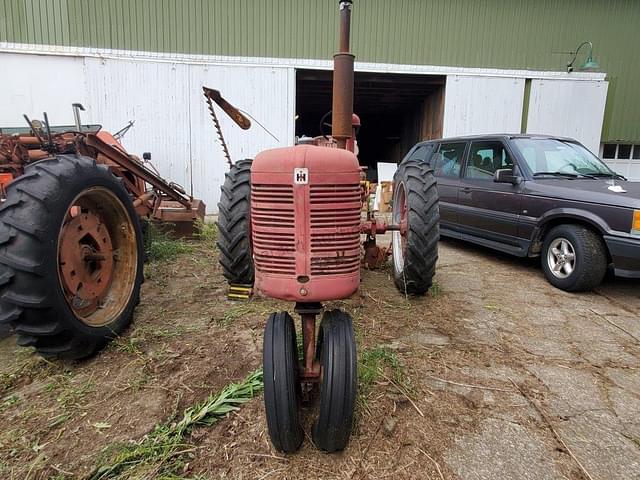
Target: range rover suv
534,195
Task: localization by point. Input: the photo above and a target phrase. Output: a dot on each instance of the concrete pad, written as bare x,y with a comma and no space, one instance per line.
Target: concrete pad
501,451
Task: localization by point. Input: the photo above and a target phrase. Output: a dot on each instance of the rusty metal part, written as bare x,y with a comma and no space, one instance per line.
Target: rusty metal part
342,125
181,222
139,170
243,122
97,256
86,262
310,371
235,114
374,256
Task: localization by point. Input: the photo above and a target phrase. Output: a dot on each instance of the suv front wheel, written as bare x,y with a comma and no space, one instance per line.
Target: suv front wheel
574,258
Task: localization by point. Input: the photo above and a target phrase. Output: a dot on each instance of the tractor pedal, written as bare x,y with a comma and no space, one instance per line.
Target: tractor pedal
240,292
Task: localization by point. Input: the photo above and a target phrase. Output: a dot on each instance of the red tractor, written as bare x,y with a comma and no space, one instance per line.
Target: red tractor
71,248
291,222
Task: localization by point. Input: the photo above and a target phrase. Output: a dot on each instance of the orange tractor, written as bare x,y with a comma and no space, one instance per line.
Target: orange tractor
71,247
291,222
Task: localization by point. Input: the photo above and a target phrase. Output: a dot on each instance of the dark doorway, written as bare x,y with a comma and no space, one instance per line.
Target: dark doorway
396,111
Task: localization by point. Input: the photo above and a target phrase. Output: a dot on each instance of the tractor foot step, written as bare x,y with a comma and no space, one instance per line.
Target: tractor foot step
240,292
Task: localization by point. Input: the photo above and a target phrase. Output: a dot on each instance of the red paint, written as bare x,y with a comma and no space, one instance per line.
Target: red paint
306,236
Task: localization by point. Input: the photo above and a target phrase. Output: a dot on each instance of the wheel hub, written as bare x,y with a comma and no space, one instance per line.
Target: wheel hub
561,258
86,261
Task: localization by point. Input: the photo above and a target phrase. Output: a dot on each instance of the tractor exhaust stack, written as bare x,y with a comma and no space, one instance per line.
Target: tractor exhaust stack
342,128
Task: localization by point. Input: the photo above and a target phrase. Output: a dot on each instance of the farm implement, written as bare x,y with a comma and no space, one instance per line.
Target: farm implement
71,247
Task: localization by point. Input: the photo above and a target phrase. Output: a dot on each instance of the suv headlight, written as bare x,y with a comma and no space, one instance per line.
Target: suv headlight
635,224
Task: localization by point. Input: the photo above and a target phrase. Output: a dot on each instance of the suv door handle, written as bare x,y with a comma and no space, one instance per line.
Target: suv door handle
466,190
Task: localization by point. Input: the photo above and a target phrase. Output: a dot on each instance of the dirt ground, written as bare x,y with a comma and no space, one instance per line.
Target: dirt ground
493,375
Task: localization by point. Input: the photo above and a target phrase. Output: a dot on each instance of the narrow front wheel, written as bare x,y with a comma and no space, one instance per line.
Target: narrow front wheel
337,353
281,383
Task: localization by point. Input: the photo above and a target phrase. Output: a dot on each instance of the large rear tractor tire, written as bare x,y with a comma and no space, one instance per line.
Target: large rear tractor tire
234,225
70,257
415,245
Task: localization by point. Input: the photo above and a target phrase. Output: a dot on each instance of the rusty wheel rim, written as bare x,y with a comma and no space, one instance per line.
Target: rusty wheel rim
399,237
97,257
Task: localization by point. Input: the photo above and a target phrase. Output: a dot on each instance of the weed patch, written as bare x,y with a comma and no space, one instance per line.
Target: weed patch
162,453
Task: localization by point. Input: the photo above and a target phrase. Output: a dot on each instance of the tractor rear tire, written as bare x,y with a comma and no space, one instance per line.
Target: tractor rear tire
70,257
234,225
415,246
281,383
336,351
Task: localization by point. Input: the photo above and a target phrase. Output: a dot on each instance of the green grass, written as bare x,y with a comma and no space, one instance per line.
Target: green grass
372,366
164,452
435,289
159,246
206,232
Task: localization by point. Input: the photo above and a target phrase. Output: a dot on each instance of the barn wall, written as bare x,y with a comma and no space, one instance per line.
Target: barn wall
165,101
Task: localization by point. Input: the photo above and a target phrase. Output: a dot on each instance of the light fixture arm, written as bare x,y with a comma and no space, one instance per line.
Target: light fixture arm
575,54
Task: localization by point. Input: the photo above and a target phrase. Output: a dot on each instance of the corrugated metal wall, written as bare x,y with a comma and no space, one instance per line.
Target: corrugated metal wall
472,33
165,100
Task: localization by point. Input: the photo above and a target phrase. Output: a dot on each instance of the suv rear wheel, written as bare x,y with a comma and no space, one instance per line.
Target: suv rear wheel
574,258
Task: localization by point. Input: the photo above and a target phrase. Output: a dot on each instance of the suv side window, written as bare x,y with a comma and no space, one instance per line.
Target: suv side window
446,163
485,158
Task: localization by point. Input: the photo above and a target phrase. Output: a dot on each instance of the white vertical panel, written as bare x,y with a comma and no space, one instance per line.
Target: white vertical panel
155,96
568,108
33,84
477,105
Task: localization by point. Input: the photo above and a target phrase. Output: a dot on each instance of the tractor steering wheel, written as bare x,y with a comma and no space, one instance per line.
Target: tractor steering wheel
324,125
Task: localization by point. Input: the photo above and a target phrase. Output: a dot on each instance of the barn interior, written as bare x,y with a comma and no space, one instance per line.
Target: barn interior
395,110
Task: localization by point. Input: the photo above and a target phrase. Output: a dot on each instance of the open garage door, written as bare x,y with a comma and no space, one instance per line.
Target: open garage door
396,111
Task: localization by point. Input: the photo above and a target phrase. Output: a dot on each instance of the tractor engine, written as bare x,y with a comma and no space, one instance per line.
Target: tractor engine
305,223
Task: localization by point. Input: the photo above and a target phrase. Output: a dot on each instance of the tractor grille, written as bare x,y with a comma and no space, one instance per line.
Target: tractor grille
273,225
335,229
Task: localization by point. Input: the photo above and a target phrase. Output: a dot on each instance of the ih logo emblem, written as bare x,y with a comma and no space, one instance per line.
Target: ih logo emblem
300,176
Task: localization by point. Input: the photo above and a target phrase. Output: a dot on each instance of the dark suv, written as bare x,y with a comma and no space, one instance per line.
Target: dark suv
533,195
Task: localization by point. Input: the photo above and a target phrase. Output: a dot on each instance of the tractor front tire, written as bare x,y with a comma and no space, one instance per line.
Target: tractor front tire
415,245
336,351
70,257
234,225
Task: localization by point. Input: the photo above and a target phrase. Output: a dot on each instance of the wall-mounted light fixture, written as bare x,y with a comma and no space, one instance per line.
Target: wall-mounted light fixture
589,64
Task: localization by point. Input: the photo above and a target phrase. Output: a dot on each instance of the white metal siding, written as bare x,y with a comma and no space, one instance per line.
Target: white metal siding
165,100
567,108
477,105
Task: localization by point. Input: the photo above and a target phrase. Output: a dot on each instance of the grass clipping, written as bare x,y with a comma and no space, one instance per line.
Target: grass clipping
156,453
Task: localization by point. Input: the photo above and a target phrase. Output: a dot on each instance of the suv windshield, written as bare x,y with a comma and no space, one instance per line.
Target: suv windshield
549,156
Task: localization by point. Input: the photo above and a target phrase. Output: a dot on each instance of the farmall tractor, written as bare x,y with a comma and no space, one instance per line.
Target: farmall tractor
291,222
71,247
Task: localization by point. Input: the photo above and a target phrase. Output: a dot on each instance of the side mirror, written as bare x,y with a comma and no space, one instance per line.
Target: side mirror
505,175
